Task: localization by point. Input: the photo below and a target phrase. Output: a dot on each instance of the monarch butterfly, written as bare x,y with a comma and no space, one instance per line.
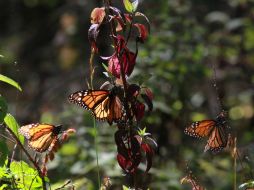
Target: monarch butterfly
41,137
215,130
104,104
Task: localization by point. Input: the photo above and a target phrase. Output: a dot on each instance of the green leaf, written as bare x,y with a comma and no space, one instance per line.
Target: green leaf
4,187
3,108
135,5
10,82
141,78
11,122
247,184
3,152
25,176
105,66
130,6
125,188
19,176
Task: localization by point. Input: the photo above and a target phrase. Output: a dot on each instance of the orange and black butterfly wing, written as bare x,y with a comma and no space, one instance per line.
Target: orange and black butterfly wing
109,109
42,143
200,129
88,99
115,110
104,106
34,131
40,136
101,111
218,139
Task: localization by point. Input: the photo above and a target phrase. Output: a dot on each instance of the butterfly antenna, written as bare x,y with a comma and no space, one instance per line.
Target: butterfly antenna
216,87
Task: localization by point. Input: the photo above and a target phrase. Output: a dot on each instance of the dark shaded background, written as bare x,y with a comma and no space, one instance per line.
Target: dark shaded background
45,49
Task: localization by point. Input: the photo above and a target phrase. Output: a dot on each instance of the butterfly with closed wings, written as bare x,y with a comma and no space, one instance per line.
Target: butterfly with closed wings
216,131
104,104
41,137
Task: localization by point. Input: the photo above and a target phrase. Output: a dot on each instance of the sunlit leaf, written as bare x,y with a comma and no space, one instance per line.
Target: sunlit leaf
247,185
11,122
130,6
125,188
25,175
97,15
10,82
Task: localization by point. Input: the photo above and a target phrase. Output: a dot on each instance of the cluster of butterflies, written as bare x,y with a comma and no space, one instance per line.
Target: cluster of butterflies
104,105
107,105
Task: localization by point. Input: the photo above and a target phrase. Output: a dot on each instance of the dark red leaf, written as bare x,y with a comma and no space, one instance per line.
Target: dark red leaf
124,162
129,151
133,91
138,14
139,110
148,145
128,17
149,161
143,32
127,58
148,101
92,36
149,93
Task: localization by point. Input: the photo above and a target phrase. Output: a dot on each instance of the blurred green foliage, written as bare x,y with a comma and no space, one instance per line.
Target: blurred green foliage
45,49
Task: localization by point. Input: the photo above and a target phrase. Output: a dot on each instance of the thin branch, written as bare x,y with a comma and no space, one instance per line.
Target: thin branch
28,155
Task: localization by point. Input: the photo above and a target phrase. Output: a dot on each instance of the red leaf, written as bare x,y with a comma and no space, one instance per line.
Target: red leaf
149,161
148,101
143,32
114,66
149,93
139,14
133,91
139,110
128,17
98,15
148,145
124,162
128,60
92,36
129,151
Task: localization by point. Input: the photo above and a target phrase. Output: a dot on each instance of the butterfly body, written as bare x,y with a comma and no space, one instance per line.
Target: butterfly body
104,104
216,131
41,137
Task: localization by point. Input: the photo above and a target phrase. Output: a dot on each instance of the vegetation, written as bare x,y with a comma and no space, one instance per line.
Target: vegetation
188,60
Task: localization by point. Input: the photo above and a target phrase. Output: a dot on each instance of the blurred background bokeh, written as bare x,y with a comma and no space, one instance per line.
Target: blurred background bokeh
45,48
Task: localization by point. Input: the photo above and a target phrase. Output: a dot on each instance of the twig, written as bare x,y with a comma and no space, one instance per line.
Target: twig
216,87
235,153
28,155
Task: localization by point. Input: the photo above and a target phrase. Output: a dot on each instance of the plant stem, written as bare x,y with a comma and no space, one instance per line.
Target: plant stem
96,150
28,155
94,122
107,4
235,164
91,67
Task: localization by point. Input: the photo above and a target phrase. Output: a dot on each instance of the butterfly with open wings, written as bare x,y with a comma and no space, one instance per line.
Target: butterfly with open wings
216,130
104,104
